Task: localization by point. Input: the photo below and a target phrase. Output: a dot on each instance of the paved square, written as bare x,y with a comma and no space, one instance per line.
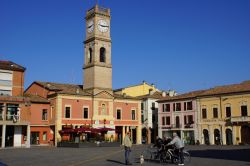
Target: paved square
112,156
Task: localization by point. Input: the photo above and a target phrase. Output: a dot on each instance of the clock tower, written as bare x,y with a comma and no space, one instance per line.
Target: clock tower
97,67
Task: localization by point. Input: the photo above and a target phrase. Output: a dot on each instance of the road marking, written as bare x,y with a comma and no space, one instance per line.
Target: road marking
96,158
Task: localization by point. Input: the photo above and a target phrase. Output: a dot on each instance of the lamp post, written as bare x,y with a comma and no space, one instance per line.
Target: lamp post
104,122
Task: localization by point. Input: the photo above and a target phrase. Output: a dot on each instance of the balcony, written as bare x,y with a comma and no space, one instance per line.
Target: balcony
176,126
240,119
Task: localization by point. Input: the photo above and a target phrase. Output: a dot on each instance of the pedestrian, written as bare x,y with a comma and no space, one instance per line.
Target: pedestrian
127,145
178,143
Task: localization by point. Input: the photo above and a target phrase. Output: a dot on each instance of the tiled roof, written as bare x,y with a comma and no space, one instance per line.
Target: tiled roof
218,90
64,88
228,89
155,95
188,95
36,98
8,65
118,96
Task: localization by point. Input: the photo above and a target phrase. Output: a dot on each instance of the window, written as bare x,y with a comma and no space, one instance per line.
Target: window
44,136
6,83
163,121
5,92
177,121
243,110
153,105
67,112
12,110
90,56
104,112
215,112
85,113
153,118
142,106
142,117
228,112
190,119
133,114
204,113
102,54
189,105
1,111
177,106
168,120
167,107
45,114
118,114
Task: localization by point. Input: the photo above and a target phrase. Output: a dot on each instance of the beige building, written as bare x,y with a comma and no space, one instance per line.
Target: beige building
223,114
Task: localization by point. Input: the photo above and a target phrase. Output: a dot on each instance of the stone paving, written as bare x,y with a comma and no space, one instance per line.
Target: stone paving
112,156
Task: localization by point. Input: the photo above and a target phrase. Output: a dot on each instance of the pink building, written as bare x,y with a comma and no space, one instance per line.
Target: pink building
179,114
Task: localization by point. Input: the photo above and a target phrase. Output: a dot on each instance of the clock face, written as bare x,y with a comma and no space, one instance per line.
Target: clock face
90,26
103,26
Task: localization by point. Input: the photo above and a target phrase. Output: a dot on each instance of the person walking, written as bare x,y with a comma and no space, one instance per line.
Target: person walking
177,142
127,145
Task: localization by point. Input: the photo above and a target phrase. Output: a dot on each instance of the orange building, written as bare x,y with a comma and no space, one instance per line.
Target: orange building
14,107
92,105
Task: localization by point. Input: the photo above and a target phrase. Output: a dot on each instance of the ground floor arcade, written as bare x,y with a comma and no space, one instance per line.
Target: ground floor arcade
14,135
225,135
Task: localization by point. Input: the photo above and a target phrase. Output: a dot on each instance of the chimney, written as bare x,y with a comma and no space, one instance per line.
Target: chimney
164,94
151,92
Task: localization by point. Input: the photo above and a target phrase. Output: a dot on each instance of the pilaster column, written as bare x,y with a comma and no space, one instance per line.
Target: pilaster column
198,134
123,134
223,134
127,129
28,137
131,135
3,135
58,119
138,134
211,135
149,136
234,135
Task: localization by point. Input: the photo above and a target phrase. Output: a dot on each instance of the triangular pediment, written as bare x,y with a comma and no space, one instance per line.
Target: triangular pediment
104,94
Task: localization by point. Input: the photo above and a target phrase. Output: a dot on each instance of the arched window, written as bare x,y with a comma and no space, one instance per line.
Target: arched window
90,55
102,54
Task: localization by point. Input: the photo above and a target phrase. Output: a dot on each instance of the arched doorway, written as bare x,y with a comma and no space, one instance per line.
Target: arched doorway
229,136
245,134
206,136
217,137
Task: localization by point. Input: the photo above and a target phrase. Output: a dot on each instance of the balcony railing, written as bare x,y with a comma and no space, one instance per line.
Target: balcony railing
240,119
189,125
14,118
176,126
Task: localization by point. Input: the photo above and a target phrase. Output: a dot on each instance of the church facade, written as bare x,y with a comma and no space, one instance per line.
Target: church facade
93,104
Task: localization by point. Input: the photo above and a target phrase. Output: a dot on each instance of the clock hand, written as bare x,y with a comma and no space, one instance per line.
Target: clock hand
103,25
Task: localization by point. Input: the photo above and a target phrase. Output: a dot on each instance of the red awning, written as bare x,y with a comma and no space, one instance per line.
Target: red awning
85,130
105,129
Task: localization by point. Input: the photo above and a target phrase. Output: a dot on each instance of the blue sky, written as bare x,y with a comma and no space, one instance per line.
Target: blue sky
183,45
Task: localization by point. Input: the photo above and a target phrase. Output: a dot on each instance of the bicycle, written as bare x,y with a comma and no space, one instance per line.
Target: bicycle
174,158
152,153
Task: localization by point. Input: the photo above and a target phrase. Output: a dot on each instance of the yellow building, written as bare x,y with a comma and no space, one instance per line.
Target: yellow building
138,90
223,115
